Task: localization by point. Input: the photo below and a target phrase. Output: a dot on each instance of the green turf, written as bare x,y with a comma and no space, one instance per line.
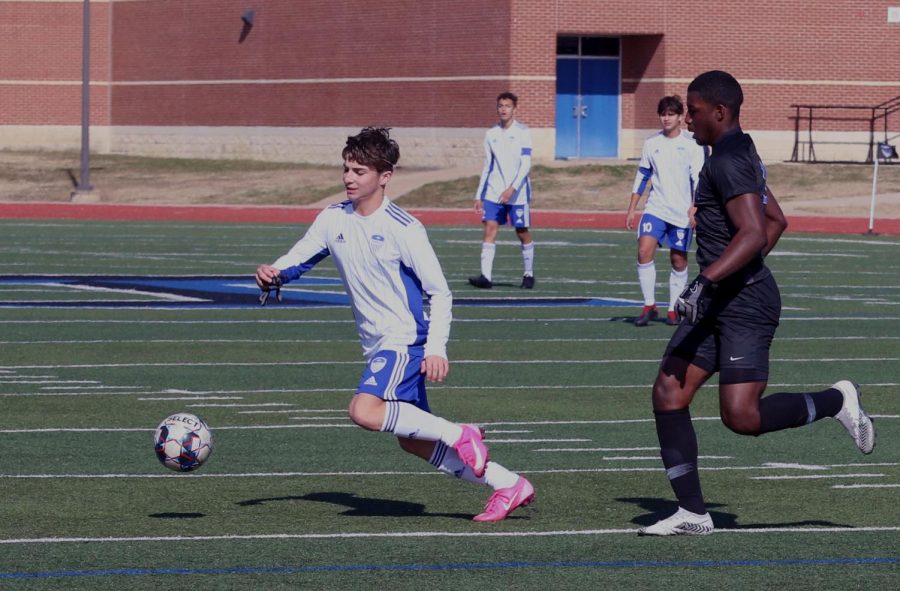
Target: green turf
303,499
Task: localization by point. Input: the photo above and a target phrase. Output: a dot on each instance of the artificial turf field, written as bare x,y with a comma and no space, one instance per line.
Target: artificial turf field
294,496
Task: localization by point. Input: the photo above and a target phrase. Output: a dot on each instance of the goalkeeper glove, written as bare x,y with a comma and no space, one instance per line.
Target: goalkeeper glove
275,286
693,301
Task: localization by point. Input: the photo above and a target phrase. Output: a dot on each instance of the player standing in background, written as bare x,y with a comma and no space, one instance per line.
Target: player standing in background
671,161
386,263
504,191
731,311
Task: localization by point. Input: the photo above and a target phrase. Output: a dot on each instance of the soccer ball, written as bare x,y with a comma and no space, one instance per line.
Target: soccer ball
183,442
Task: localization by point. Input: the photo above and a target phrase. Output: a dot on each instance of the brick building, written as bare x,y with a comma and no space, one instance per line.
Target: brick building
292,79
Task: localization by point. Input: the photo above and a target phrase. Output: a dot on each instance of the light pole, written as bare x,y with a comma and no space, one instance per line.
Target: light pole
84,181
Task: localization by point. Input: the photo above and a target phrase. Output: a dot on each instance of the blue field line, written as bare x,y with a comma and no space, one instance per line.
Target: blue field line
231,291
890,560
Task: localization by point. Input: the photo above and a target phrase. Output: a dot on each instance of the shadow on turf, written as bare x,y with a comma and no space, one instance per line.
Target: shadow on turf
361,506
630,320
662,508
177,515
495,284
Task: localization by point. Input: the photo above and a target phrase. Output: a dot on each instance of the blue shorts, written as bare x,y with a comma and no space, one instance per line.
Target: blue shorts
390,375
519,216
665,233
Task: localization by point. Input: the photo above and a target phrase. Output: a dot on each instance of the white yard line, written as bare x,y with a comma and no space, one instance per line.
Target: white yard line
299,340
432,534
507,319
491,440
252,405
593,449
656,458
487,425
816,476
654,360
866,486
184,398
215,394
356,474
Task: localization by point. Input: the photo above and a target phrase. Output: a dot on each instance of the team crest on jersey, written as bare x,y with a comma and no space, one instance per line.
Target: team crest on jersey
377,364
377,241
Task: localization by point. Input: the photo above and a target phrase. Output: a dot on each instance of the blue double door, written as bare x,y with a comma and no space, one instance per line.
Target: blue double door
587,107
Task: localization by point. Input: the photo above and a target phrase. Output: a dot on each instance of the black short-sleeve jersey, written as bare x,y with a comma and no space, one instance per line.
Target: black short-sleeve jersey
733,169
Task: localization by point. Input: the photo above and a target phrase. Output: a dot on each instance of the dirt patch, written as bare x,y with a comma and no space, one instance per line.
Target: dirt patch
52,176
810,189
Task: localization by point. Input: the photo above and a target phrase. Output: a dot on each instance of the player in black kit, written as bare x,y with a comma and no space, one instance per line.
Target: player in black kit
730,312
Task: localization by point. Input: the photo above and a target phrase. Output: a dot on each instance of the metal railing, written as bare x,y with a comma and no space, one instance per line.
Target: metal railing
873,116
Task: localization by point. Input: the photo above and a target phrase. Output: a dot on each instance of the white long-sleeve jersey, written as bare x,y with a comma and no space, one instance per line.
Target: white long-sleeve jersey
672,165
386,264
507,163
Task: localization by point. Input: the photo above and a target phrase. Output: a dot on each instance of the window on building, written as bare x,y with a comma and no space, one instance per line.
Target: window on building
587,46
567,45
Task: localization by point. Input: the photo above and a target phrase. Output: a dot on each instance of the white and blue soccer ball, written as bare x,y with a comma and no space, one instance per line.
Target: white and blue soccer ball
183,442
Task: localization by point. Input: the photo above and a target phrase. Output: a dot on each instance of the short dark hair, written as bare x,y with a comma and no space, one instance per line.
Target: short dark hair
670,103
719,88
508,96
373,147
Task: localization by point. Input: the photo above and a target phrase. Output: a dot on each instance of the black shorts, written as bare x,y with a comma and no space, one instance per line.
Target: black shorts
735,333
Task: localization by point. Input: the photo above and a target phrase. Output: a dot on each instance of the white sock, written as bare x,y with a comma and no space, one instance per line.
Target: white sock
487,259
677,283
528,258
647,279
406,420
445,459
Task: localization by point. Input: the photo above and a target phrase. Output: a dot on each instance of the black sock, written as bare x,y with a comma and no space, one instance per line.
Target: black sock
784,411
678,448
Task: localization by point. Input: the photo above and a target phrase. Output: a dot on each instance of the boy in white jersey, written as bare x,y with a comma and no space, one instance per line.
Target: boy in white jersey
504,191
386,264
671,161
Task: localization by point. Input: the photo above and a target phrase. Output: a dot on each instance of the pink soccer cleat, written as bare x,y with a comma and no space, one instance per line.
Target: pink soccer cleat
506,500
471,449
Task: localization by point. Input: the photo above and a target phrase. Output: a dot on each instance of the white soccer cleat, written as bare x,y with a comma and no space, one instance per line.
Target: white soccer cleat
683,523
854,418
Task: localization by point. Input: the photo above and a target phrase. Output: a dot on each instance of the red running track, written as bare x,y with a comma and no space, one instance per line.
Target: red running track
299,215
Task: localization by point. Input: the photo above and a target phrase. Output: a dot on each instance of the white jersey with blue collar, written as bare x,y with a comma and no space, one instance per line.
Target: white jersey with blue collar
672,165
507,163
386,264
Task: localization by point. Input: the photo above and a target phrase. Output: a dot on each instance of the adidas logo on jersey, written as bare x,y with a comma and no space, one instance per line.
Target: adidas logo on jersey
340,238
371,381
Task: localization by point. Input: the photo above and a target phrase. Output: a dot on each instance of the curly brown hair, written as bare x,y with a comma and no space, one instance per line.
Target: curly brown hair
373,147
